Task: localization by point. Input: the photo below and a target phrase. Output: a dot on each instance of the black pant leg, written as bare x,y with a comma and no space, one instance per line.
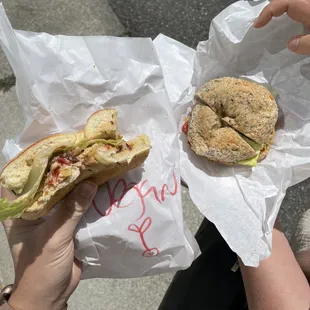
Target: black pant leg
209,283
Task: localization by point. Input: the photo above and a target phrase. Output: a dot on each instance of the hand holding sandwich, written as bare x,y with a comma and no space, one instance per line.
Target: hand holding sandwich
46,272
299,11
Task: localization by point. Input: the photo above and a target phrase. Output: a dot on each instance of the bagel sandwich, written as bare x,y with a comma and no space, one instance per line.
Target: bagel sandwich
45,172
232,122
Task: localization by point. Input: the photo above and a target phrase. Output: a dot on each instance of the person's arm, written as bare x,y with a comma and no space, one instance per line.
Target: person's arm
278,283
46,271
6,306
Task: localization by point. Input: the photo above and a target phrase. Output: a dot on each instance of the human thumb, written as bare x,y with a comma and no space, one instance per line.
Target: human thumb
300,44
67,217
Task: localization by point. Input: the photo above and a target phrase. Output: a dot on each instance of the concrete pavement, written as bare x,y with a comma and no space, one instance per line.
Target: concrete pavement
184,20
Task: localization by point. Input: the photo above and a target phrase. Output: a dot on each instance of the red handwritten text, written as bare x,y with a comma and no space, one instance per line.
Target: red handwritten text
146,224
117,193
114,200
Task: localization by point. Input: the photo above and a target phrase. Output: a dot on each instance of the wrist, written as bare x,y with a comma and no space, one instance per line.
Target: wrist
26,302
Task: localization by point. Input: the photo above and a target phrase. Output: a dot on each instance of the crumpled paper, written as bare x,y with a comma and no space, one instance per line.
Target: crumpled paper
135,225
243,203
177,62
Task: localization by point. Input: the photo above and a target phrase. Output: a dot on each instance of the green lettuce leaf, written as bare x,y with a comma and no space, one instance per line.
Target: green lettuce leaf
252,162
11,209
254,145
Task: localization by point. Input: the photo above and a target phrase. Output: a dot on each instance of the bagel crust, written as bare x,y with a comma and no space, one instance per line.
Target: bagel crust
228,114
247,107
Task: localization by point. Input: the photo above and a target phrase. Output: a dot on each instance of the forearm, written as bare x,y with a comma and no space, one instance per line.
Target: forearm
8,301
278,283
6,306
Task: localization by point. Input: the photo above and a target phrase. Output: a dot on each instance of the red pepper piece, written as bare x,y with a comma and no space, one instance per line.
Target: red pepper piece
185,128
55,175
64,161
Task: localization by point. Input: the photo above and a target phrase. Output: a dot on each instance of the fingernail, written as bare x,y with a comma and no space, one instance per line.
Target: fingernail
86,189
293,44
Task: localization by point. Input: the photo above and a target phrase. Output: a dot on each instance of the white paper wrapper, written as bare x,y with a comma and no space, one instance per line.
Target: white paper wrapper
244,203
177,61
135,226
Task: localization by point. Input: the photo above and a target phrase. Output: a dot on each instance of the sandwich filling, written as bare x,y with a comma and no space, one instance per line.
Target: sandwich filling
54,169
61,167
252,162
